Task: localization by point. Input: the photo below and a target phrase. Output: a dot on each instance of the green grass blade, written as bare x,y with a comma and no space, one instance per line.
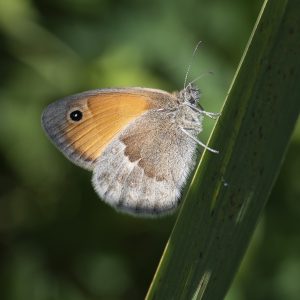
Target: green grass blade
230,189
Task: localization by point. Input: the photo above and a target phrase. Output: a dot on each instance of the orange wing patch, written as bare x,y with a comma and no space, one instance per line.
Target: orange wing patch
104,116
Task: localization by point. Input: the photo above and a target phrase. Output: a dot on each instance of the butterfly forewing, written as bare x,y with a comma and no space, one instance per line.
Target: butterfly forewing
104,115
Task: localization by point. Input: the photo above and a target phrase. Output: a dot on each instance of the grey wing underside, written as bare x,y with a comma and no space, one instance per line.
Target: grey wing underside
143,169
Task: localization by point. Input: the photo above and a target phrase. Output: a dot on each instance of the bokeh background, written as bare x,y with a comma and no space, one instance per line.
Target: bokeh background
57,239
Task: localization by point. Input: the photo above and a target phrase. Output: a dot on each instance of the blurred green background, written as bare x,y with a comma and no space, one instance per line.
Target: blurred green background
57,239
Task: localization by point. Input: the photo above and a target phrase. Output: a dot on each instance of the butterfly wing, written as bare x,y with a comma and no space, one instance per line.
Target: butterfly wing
142,171
105,112
139,157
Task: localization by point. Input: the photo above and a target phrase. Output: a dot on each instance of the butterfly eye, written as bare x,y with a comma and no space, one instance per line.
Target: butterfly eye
76,115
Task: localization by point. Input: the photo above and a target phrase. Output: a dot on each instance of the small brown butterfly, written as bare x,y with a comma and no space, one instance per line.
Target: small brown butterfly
140,143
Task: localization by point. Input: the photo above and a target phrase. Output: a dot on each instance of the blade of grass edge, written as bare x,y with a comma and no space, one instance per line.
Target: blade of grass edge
229,190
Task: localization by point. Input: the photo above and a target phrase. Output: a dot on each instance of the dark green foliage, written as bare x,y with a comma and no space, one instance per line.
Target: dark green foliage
228,192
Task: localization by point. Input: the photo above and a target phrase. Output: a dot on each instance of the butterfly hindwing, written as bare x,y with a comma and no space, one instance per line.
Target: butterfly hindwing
143,170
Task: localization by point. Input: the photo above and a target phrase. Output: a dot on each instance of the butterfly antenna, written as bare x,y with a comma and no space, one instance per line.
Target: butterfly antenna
202,75
190,64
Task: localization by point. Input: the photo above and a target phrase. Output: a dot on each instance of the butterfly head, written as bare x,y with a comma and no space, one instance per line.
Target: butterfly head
190,95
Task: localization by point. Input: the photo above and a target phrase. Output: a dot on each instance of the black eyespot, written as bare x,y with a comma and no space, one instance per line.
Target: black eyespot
76,115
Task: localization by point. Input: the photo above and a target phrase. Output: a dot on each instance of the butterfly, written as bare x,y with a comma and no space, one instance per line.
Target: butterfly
139,143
